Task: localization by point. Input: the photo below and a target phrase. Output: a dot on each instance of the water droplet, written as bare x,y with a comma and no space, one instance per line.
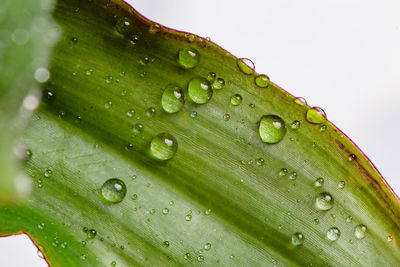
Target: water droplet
207,246
246,65
155,28
199,90
172,99
48,173
193,114
283,172
113,190
349,219
130,112
83,257
85,229
297,239
152,211
64,245
260,161
300,101
207,212
165,244
91,234
163,146
165,211
48,96
295,125
324,201
333,234
108,104
252,105
200,258
316,221
138,128
134,196
360,231
211,76
236,100
150,112
188,217
232,256
42,75
322,128
188,58
272,129
89,72
123,25
319,182
293,176
41,226
113,264
134,39
226,117
218,84
341,184
262,80
316,115
109,79
187,256
74,40
389,238
352,157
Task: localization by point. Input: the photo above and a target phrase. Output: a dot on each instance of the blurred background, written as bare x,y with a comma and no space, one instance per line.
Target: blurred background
341,55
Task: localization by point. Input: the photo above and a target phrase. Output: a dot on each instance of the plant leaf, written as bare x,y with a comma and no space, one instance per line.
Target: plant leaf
225,197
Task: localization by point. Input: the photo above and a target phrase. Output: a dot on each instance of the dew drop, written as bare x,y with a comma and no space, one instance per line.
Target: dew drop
319,182
134,196
349,219
260,161
226,117
41,226
236,100
333,234
293,176
297,239
155,28
165,244
138,128
109,79
123,25
341,184
188,217
322,128
218,84
165,211
130,112
207,246
74,40
91,234
48,96
89,72
193,114
163,146
48,173
324,201
211,76
295,125
113,190
262,80
389,238
316,115
200,258
199,90
283,172
187,256
246,65
272,129
360,231
172,99
134,39
150,112
300,101
113,264
188,58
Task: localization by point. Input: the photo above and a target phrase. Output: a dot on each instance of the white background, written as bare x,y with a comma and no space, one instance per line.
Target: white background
341,55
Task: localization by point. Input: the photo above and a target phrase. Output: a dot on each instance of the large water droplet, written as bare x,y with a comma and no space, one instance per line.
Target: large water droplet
316,115
199,90
246,65
123,25
333,234
113,190
297,239
236,100
360,231
262,80
324,201
172,99
163,146
188,58
272,129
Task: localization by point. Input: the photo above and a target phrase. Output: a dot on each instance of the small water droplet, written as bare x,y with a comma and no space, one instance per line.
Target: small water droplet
48,173
295,125
199,90
349,219
283,172
316,115
232,256
193,114
163,146
134,196
207,246
152,211
389,238
272,129
246,65
123,25
211,76
319,182
165,244
316,221
207,212
218,84
113,264
89,72
83,257
293,176
109,79
188,217
135,39
226,117
41,226
64,245
91,234
130,112
260,161
333,234
322,128
151,111
341,184
300,101
324,201
172,99
236,100
155,28
108,104
360,231
297,239
200,258
251,105
138,128
113,190
190,37
48,96
165,211
188,58
352,157
262,80
187,256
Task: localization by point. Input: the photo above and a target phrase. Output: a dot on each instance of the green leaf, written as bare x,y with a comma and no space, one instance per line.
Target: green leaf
202,186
